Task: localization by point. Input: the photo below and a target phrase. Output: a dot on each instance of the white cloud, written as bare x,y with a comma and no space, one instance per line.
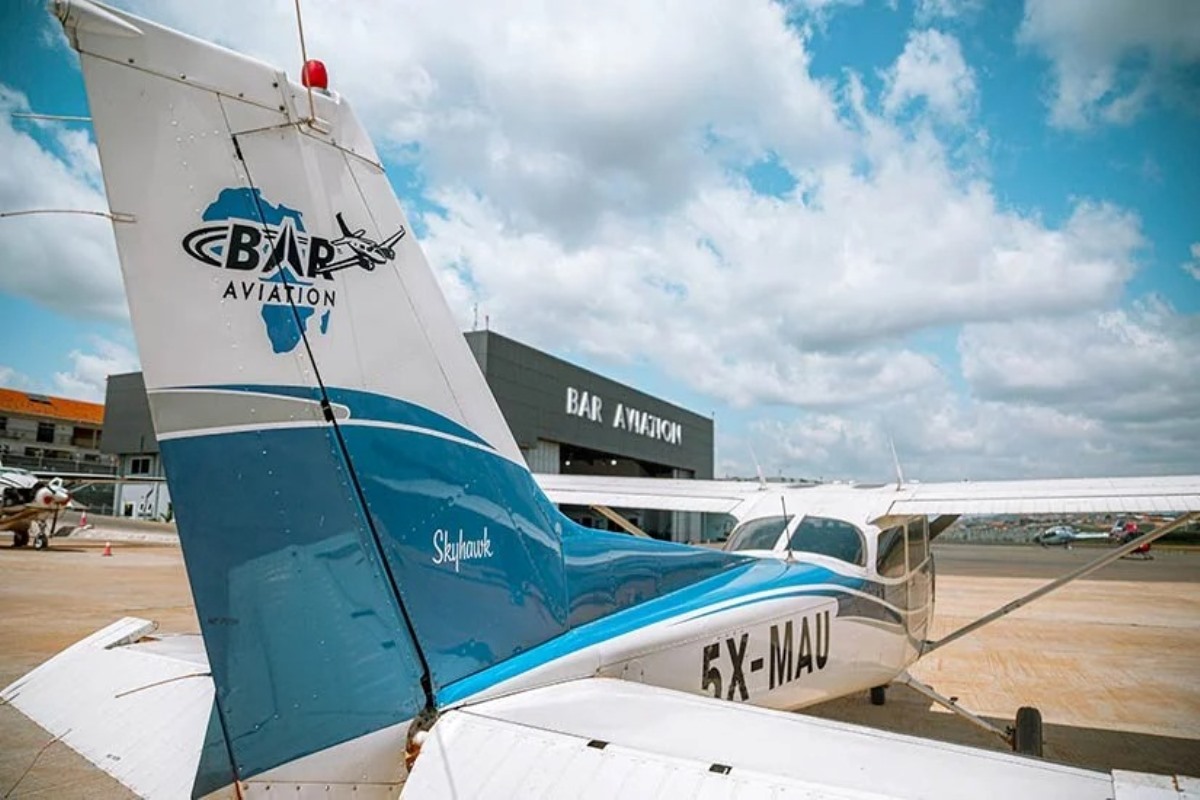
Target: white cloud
931,69
1144,361
1110,57
928,10
588,168
67,263
10,378
89,372
1192,267
560,113
87,377
1132,375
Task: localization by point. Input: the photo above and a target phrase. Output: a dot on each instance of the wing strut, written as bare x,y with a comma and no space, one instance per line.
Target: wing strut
1086,569
619,520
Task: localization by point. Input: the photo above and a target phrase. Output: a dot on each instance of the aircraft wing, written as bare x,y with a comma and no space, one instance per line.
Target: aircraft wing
91,477
600,737
136,707
1046,496
1055,496
661,494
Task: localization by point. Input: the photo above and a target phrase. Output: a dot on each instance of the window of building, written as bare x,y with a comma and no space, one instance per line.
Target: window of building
890,562
3,424
758,534
45,432
139,466
830,537
83,437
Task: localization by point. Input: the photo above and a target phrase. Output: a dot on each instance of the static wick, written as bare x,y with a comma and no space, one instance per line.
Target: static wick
52,117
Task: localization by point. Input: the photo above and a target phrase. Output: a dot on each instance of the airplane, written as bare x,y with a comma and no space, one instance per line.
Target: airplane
1065,535
28,500
389,600
32,502
367,254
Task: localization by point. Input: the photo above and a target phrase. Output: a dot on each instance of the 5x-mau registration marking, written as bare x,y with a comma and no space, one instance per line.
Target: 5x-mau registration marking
794,648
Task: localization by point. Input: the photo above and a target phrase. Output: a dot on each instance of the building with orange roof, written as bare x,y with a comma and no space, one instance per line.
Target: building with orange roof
53,434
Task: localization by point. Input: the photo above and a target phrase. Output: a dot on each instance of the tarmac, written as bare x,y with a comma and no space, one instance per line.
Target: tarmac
1112,661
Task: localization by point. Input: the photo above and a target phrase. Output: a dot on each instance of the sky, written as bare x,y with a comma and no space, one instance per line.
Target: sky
968,228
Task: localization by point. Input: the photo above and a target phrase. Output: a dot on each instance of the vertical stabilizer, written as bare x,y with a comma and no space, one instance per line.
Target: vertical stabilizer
350,501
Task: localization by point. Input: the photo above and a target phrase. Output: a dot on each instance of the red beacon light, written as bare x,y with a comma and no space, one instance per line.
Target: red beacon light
314,75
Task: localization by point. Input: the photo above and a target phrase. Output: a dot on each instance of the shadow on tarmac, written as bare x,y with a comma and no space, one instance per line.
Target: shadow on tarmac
1100,749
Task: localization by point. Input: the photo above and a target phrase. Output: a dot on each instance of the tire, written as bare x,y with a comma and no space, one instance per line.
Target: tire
41,542
20,538
878,695
1027,733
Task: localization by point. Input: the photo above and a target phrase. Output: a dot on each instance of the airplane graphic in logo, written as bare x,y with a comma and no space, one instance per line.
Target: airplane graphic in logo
367,254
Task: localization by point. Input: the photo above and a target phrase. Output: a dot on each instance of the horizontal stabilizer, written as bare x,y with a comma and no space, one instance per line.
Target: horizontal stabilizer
598,738
137,708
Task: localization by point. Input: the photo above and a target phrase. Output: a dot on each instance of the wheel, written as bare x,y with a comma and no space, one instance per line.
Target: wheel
1027,733
20,538
878,695
41,542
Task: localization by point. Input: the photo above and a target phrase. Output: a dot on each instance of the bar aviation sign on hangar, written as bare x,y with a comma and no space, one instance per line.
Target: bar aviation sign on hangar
588,405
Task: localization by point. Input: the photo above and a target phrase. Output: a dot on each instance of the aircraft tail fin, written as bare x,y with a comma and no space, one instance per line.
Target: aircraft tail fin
348,495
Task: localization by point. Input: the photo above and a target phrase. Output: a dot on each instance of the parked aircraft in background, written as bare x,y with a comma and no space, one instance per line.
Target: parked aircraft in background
28,500
1065,535
380,581
31,503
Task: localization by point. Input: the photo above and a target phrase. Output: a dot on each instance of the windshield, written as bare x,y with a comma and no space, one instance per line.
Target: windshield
830,537
758,534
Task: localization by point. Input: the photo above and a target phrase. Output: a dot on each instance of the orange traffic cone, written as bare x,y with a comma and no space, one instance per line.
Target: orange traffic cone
83,519
107,549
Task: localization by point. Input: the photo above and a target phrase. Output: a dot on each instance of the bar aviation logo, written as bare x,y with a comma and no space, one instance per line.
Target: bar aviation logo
276,263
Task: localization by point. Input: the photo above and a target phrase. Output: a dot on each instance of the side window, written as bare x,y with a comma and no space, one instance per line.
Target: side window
758,534
918,541
829,537
890,562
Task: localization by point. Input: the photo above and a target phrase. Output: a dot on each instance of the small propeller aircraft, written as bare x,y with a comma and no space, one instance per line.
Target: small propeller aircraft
31,503
389,600
28,501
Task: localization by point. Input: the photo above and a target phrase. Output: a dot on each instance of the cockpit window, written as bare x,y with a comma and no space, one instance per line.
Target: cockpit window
890,561
829,537
758,534
918,546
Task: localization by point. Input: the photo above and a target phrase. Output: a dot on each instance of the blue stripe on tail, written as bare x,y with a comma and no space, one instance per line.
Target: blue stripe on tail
302,601
305,639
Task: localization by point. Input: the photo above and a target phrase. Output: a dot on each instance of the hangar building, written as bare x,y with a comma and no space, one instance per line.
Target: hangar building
565,419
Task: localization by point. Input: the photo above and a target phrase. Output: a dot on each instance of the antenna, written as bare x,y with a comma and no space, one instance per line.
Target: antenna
115,216
762,480
896,462
312,106
783,505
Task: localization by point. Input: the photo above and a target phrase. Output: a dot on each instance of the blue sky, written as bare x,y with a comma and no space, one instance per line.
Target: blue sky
969,226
